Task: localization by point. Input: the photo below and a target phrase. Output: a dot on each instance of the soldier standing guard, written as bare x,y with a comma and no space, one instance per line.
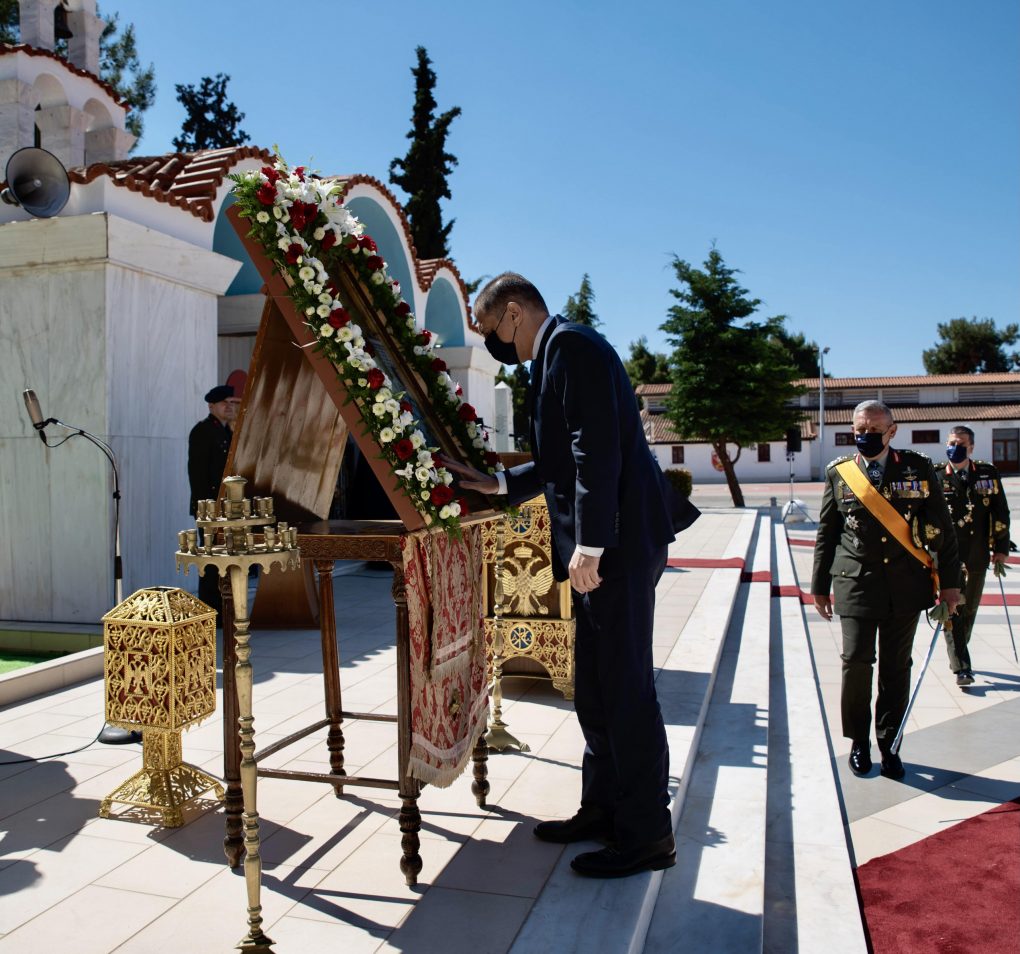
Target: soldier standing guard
208,447
883,516
973,491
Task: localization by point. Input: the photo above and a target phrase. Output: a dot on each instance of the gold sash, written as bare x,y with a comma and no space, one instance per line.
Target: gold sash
885,513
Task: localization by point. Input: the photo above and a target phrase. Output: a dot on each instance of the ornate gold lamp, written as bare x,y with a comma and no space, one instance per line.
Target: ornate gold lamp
160,666
228,543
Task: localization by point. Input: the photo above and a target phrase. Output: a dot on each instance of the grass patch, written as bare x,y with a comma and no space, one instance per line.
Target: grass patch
9,661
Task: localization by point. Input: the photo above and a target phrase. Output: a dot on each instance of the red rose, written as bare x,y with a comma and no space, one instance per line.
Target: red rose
351,242
402,308
375,379
459,392
328,240
273,175
491,458
466,412
405,406
301,213
374,262
267,193
438,364
464,509
441,495
294,253
366,242
424,336
339,317
403,449
299,171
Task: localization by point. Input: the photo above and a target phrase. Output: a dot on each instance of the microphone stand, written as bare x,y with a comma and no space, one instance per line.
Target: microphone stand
111,735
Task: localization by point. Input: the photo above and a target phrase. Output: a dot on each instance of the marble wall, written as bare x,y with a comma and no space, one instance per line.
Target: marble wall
114,325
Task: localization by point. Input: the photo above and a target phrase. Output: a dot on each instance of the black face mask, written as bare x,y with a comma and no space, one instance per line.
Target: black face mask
505,352
870,445
956,453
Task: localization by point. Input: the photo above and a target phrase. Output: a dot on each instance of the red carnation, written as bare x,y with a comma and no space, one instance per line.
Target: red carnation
301,213
491,458
464,510
441,495
294,253
405,406
271,174
339,317
466,412
424,336
328,240
438,364
459,392
403,449
351,242
366,241
267,193
375,262
299,171
375,379
402,308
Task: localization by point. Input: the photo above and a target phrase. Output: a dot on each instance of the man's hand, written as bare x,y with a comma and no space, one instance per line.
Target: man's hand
951,597
824,606
584,572
470,479
998,558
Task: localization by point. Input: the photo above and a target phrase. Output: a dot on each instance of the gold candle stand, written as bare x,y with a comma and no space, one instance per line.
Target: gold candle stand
228,544
498,736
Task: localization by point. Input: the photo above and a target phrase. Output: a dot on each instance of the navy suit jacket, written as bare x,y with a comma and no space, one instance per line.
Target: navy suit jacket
590,456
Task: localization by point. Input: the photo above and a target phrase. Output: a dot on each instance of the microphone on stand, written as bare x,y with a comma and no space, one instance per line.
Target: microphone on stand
35,412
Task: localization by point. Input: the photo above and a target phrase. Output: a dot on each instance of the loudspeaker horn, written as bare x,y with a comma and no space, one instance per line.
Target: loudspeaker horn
37,181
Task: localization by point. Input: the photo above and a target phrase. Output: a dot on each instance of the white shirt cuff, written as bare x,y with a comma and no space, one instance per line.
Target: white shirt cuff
500,481
590,551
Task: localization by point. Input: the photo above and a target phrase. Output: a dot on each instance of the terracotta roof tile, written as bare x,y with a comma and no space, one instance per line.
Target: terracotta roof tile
186,180
916,380
6,48
652,390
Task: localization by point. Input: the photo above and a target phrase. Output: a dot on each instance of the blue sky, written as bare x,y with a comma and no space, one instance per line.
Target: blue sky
860,164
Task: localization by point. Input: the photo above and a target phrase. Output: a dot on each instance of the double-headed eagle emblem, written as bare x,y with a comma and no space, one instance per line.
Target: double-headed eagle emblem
523,585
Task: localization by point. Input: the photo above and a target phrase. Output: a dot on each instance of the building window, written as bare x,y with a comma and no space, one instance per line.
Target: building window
764,453
678,453
844,439
925,437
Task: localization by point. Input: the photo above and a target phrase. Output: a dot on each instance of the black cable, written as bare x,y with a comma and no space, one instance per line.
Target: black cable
56,755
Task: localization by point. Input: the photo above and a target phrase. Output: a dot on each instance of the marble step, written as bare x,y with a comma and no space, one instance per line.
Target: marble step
714,899
575,914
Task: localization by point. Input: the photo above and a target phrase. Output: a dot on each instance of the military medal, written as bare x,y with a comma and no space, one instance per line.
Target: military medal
852,523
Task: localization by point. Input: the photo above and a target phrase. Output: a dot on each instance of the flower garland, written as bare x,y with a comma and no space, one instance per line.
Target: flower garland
301,222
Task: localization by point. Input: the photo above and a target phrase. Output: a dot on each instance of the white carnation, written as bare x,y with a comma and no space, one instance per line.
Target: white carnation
283,244
363,382
444,512
319,234
326,330
422,475
386,435
309,311
425,495
323,311
344,334
455,508
446,477
277,212
325,298
262,217
378,278
306,273
417,439
379,410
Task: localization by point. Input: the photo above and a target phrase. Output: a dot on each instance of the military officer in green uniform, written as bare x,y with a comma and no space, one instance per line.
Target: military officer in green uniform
973,491
879,585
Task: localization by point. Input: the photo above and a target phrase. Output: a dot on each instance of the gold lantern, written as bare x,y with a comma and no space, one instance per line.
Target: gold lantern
534,632
161,678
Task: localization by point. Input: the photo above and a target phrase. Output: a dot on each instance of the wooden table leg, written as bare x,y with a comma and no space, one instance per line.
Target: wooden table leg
233,802
480,784
331,671
410,788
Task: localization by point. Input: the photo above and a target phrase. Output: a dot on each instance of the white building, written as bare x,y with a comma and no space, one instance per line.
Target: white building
122,312
924,406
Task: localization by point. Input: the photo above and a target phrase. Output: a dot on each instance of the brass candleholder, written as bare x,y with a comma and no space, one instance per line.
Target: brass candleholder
160,675
498,736
228,544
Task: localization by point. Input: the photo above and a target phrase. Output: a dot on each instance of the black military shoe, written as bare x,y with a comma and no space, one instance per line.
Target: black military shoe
860,758
589,824
892,766
620,863
965,678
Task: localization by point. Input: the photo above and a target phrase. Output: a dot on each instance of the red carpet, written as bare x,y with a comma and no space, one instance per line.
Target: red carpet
955,892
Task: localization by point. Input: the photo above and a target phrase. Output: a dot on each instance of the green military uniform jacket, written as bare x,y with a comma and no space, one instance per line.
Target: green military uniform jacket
979,511
870,574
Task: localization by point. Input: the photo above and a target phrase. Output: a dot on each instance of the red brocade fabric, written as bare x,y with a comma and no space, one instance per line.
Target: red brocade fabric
449,697
955,892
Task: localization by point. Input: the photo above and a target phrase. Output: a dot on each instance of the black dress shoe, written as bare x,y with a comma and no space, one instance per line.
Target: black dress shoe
860,758
892,766
589,824
619,863
965,678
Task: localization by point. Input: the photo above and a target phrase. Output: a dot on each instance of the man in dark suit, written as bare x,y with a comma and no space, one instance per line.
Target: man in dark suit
879,586
980,513
613,514
208,447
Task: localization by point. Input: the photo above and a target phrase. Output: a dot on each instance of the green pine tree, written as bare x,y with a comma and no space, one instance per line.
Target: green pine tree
645,366
581,307
732,377
212,121
423,172
120,67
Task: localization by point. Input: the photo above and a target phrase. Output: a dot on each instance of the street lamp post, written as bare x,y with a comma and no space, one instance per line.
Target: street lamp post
822,352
